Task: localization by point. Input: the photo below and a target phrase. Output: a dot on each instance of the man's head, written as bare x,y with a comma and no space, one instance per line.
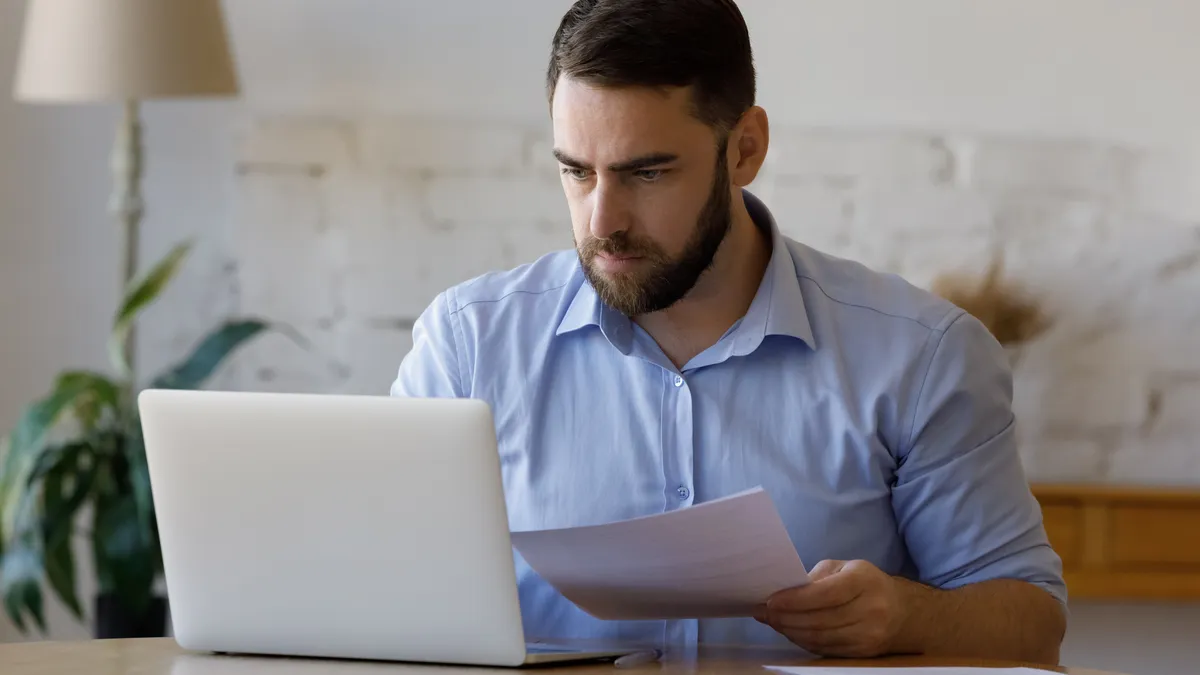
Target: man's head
654,127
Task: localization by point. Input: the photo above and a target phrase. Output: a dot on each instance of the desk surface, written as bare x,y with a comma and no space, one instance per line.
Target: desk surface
164,657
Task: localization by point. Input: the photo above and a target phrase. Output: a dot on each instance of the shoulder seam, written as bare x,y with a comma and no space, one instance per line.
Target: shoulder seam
509,294
953,317
866,307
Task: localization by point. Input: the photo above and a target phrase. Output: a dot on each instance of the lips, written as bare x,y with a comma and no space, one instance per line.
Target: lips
613,264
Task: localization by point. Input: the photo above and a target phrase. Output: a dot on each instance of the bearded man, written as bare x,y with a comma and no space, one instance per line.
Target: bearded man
686,350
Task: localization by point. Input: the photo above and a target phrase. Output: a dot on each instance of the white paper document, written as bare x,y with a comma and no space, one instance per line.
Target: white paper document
715,559
888,670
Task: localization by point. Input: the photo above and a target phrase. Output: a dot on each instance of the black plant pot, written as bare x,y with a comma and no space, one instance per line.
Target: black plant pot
114,620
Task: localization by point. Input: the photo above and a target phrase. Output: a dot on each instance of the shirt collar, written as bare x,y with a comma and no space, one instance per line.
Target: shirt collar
780,298
777,309
586,309
583,311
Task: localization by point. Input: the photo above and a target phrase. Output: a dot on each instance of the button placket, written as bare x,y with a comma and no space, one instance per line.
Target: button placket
677,460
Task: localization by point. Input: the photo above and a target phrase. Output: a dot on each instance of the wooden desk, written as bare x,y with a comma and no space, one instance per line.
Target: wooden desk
164,657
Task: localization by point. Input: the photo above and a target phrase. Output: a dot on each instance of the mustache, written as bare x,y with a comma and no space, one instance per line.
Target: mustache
620,245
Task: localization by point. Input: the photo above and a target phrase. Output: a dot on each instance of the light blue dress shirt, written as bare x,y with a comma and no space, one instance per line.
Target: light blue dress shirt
876,415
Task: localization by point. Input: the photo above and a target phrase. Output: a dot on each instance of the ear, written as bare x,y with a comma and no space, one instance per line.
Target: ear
747,149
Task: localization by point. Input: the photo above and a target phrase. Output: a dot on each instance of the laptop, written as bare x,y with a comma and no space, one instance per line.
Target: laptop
338,526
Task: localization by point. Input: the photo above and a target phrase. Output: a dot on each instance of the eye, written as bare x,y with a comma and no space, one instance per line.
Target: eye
575,174
649,175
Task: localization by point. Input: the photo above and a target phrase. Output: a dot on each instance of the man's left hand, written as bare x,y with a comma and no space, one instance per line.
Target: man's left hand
851,609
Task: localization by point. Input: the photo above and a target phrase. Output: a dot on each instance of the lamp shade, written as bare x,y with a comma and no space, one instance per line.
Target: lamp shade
111,50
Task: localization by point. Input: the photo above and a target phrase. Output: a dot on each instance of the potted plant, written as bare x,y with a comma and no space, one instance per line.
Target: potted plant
81,446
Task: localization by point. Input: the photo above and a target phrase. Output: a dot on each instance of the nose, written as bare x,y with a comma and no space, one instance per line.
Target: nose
608,215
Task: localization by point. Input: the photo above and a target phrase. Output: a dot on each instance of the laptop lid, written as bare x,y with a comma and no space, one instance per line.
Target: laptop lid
329,525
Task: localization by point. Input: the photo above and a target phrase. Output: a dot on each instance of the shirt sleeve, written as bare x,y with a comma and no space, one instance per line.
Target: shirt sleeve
961,499
431,368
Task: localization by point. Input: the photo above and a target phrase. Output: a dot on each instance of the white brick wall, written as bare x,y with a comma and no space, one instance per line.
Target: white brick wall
346,228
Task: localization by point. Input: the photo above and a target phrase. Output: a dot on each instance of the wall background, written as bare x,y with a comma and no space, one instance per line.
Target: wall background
919,137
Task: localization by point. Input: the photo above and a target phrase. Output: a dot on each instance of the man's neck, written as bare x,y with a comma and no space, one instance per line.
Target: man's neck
720,297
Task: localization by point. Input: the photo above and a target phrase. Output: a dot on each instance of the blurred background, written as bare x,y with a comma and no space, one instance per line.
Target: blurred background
374,153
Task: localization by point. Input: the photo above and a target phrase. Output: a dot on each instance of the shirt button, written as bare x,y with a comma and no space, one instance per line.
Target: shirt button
678,381
683,492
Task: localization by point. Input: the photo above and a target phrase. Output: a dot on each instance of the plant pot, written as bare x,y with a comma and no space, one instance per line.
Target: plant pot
114,620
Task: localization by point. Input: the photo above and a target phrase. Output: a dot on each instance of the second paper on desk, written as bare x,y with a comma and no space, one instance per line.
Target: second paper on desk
716,559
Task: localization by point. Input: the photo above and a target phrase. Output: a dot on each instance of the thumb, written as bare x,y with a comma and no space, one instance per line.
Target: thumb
826,568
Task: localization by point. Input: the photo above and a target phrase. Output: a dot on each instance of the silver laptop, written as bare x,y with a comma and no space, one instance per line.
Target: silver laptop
357,527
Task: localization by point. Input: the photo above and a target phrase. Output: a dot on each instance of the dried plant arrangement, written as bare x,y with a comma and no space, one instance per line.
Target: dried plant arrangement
1011,316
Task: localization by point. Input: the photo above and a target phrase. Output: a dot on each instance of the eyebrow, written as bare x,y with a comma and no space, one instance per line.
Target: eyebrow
634,164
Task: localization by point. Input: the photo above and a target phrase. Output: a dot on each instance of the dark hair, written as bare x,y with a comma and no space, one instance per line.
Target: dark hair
660,43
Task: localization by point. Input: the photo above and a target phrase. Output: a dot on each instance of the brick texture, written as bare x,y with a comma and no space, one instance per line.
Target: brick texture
347,228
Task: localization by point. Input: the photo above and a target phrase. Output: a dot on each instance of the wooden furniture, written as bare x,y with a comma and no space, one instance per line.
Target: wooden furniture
1127,543
163,657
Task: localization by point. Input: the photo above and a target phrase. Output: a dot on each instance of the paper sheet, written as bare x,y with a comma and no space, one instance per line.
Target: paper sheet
887,670
715,559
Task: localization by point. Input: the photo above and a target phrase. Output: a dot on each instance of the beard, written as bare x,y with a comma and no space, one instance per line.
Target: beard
664,280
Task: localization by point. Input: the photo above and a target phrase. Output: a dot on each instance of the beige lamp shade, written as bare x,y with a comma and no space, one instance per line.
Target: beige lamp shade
112,50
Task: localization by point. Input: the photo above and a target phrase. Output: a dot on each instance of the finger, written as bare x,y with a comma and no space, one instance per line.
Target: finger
826,593
831,618
760,613
822,570
826,568
848,642
824,643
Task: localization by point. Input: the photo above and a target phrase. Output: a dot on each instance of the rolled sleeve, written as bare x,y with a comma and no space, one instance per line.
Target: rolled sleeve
431,368
962,500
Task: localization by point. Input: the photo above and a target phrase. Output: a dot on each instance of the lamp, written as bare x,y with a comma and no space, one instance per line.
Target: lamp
126,51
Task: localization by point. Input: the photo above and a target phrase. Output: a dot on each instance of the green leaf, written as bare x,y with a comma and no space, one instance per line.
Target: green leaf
90,407
50,458
60,570
116,527
63,486
14,607
137,296
27,440
69,501
20,576
64,489
13,570
33,602
209,354
58,482
125,561
40,538
40,416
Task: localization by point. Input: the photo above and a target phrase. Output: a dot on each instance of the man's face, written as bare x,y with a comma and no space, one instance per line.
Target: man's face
648,190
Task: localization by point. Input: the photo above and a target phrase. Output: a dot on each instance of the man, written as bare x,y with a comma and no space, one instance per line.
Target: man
686,350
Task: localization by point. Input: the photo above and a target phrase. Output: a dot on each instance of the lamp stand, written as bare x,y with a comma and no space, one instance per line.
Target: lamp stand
126,207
